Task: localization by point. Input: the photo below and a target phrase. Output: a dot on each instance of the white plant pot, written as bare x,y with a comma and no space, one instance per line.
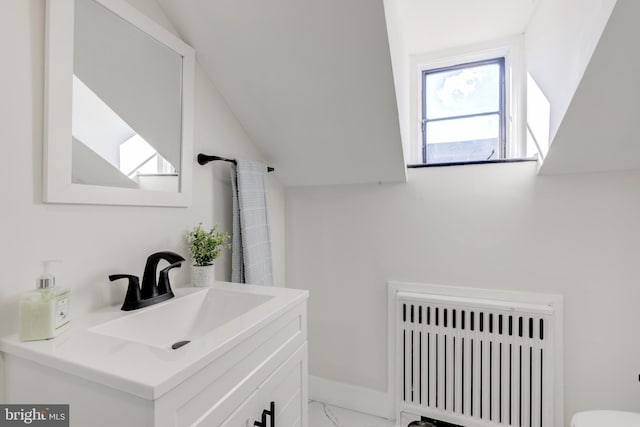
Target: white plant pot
203,275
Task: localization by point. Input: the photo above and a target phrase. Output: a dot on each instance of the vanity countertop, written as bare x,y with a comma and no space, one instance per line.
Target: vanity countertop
145,370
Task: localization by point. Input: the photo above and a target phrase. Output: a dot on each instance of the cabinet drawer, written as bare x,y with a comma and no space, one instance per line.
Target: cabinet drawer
286,387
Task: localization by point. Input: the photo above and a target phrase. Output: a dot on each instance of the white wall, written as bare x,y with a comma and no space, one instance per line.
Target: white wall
560,39
588,139
489,226
400,64
95,241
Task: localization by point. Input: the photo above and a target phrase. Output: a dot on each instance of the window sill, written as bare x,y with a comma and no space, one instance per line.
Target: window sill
478,162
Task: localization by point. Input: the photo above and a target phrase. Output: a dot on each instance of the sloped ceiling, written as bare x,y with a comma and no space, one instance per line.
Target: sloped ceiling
310,81
599,131
312,84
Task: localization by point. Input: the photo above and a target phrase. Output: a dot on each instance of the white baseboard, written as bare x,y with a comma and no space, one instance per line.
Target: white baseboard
353,397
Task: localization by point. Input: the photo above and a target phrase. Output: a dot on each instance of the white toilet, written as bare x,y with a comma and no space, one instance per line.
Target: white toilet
605,419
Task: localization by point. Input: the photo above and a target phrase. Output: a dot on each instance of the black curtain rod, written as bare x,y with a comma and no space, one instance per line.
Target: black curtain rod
203,159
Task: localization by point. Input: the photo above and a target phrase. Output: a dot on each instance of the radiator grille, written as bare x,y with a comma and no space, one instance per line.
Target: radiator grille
471,360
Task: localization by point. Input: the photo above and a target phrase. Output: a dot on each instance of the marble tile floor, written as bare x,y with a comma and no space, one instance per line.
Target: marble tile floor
323,415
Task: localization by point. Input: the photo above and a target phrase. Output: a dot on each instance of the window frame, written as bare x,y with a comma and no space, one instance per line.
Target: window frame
512,50
501,112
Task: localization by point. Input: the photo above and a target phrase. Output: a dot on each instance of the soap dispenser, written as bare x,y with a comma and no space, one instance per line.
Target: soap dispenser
44,313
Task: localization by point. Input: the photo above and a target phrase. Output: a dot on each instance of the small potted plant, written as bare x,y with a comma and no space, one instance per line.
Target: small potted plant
205,247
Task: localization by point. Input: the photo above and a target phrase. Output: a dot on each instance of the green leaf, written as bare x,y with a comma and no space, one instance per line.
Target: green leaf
206,246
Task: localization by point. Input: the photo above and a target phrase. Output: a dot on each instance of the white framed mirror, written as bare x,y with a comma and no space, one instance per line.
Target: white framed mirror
119,93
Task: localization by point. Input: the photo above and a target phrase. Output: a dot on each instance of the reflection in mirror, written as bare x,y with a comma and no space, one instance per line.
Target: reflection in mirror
126,105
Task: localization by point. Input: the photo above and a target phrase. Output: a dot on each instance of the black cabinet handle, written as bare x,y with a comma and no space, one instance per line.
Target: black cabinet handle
262,422
271,412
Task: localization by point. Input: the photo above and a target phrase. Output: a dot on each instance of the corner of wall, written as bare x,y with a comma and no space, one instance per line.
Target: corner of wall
276,207
2,383
560,39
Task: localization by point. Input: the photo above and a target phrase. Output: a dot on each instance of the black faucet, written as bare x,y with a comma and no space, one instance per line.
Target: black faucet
152,292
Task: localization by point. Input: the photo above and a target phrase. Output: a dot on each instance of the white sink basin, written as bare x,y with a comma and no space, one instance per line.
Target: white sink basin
181,319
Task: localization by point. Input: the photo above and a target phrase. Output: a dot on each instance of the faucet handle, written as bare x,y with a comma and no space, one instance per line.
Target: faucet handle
149,277
133,297
164,287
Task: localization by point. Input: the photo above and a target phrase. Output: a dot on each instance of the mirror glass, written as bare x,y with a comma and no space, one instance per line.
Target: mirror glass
120,94
126,105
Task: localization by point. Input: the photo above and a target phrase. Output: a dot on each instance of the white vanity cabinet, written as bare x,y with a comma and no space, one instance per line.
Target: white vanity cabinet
270,366
256,377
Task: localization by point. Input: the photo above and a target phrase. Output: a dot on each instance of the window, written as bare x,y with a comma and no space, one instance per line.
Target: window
138,157
464,112
467,105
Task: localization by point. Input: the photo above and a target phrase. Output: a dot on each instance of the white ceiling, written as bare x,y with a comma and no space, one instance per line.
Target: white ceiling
599,131
432,25
309,80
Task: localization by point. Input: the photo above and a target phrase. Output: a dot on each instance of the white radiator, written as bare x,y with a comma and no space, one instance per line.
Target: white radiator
475,362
